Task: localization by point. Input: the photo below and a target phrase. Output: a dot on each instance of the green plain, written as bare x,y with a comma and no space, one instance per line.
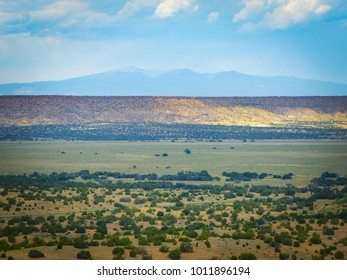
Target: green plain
306,159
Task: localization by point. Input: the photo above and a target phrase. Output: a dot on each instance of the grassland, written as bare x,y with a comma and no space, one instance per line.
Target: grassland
306,159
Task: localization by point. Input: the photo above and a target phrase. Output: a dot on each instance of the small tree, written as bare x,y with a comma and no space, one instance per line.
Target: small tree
164,249
186,247
11,239
247,256
84,255
169,220
98,236
80,230
339,255
80,243
284,256
133,253
192,234
187,151
147,257
118,251
35,254
175,254
315,239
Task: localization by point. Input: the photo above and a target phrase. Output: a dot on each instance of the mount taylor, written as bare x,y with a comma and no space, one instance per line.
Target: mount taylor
132,81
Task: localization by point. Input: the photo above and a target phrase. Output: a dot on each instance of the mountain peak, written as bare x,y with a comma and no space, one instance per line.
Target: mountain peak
133,69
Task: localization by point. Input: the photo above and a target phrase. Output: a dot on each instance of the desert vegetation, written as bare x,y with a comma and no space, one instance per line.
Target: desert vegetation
203,200
96,215
130,131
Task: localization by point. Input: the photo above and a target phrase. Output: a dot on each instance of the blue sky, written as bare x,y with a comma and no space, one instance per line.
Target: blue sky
58,39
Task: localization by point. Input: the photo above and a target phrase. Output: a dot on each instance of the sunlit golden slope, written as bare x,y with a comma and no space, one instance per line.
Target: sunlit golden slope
327,112
196,111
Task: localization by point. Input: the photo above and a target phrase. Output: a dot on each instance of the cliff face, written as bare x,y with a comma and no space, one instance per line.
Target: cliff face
318,112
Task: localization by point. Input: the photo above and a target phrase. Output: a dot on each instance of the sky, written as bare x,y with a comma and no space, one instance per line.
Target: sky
58,39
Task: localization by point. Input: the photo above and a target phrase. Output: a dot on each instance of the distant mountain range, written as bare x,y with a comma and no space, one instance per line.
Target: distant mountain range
132,81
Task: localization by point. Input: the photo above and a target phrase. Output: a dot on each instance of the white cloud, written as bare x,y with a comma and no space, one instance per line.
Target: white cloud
280,14
53,18
251,8
59,9
132,7
169,8
322,9
293,12
212,17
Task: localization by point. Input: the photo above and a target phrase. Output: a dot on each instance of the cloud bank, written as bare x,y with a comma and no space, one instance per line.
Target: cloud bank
279,14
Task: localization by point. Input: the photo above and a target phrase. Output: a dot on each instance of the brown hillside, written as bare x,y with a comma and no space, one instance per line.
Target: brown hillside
247,111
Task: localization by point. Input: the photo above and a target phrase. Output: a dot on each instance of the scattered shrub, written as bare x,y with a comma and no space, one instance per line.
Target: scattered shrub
35,254
84,255
175,254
